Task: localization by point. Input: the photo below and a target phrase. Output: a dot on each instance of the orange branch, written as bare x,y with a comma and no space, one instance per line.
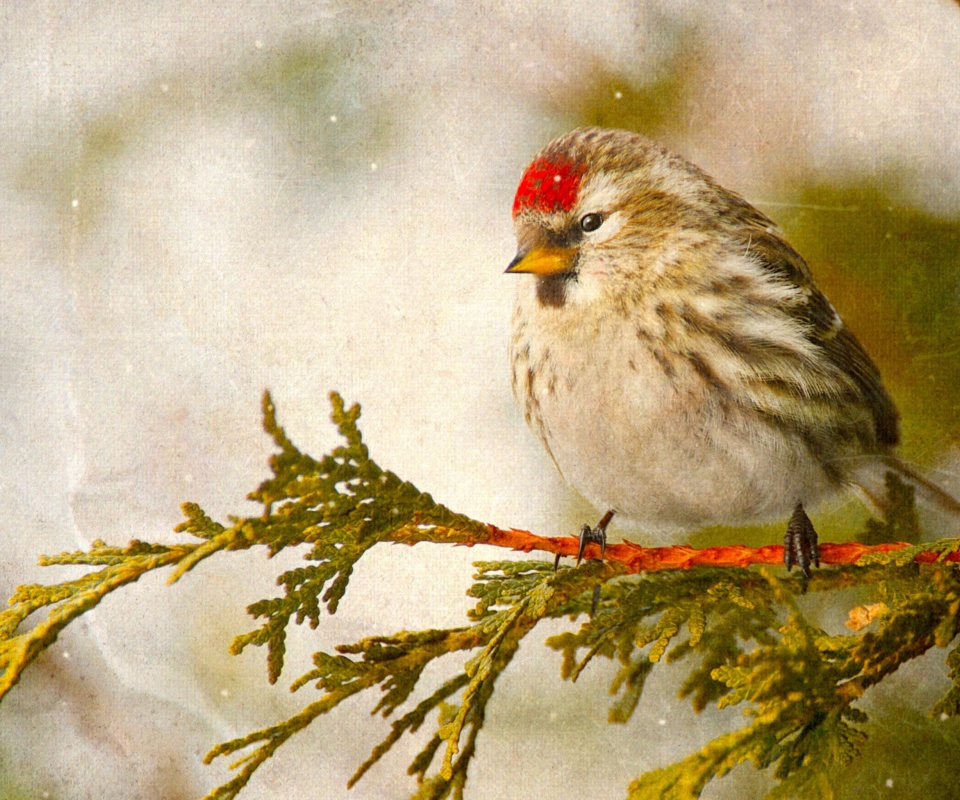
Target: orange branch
651,559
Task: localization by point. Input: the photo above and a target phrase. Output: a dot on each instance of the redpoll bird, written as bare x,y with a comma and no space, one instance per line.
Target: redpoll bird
674,354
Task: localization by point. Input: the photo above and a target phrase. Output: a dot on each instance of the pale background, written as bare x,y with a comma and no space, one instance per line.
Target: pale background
199,201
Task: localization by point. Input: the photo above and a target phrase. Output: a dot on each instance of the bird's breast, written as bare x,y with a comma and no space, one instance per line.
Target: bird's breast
637,426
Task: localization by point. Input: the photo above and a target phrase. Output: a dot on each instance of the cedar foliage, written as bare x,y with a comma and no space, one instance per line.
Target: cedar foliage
741,632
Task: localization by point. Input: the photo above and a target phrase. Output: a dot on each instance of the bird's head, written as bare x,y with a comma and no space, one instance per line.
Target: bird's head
596,209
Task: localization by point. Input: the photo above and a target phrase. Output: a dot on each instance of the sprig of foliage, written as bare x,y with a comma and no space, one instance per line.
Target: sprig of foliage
742,632
503,616
68,601
341,505
800,688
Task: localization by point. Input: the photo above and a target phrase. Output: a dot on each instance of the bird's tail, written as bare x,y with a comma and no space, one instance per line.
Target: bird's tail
869,478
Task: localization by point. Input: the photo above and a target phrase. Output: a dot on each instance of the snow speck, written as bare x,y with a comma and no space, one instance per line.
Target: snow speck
661,722
618,95
373,166
889,783
333,117
258,44
164,87
224,692
74,203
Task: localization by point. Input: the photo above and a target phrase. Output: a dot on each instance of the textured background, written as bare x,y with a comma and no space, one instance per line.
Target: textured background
202,200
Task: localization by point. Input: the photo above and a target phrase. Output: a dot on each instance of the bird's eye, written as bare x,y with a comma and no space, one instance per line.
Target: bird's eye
590,222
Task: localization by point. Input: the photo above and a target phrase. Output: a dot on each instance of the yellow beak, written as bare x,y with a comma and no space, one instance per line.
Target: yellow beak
543,260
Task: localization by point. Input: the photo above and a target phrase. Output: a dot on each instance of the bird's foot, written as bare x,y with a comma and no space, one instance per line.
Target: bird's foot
800,544
596,535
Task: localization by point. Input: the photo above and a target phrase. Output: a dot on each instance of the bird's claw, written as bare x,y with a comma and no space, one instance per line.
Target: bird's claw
800,544
596,535
588,535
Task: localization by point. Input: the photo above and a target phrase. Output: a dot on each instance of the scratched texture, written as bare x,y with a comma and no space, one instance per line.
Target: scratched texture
200,200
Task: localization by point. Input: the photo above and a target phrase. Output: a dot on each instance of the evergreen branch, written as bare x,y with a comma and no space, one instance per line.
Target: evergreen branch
272,738
800,686
401,657
396,663
71,599
410,723
740,630
637,558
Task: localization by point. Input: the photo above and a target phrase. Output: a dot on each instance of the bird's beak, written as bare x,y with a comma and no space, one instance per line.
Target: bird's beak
543,260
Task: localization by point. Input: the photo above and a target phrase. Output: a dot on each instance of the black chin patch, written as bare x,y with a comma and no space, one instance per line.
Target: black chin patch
552,289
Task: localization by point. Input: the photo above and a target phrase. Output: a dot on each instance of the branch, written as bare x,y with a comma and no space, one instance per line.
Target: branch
654,559
797,682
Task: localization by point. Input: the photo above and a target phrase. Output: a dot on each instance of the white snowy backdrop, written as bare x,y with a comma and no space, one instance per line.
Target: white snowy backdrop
199,201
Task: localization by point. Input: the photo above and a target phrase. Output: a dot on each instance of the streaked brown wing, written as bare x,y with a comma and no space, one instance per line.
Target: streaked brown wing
839,345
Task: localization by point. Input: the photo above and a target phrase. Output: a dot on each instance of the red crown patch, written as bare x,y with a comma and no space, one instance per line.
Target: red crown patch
548,186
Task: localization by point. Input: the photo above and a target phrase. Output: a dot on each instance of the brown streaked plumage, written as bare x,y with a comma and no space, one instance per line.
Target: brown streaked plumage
673,351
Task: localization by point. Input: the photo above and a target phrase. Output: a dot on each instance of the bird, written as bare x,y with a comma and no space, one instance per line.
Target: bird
675,356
